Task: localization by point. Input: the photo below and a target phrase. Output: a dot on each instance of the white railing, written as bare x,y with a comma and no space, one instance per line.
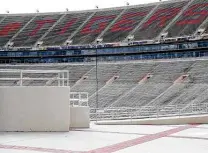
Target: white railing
147,112
78,99
20,76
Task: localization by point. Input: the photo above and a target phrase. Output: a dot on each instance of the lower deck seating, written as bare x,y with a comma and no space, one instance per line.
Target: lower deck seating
130,84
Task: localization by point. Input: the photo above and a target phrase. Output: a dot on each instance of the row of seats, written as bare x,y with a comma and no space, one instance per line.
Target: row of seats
35,29
144,22
65,28
162,16
95,26
190,20
10,26
126,84
126,23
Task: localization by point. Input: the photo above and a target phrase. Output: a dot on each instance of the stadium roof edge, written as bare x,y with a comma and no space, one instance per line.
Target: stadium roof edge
95,10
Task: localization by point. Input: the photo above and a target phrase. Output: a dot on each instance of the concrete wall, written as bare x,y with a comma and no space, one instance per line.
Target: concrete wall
79,117
34,109
198,119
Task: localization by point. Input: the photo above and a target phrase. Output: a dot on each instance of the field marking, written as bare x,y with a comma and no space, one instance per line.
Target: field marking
39,149
140,140
111,148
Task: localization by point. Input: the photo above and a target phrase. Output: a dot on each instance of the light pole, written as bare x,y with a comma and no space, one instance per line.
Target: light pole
98,41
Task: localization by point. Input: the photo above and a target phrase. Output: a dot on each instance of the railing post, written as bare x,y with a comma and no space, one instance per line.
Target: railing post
157,111
58,78
21,75
79,99
67,82
87,100
63,78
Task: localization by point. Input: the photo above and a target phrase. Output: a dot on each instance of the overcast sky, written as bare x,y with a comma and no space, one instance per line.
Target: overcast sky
30,6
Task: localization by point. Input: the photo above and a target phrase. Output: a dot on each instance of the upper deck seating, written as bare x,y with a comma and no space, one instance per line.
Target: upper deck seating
126,23
162,16
65,28
190,20
145,22
10,26
95,26
30,35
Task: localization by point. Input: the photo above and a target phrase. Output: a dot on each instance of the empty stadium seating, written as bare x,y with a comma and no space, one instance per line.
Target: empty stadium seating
131,84
95,26
198,72
65,28
178,18
35,29
126,23
10,26
190,19
141,95
162,16
88,83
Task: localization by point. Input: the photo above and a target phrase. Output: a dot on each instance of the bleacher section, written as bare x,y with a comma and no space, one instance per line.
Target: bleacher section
10,26
141,95
130,84
198,72
30,35
126,23
87,82
95,26
162,16
190,19
65,28
144,22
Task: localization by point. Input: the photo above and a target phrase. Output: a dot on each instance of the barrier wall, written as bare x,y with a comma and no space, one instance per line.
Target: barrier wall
79,117
34,109
198,119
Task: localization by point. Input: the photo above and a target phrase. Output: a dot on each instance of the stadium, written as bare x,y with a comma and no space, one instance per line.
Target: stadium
127,79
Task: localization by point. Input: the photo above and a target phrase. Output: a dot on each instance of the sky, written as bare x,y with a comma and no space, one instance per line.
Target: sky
30,6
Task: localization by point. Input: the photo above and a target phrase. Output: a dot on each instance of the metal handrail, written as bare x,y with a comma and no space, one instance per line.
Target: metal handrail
76,98
115,113
62,76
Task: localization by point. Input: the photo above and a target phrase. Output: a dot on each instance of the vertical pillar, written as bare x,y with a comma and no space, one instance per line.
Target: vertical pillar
67,76
58,78
21,75
63,78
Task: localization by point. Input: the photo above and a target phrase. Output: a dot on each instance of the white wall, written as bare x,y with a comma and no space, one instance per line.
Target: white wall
80,117
34,109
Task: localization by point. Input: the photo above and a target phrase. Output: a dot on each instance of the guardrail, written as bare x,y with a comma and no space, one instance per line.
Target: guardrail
78,99
117,113
19,77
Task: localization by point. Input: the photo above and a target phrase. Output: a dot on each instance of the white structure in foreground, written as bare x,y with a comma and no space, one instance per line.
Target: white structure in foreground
40,108
34,109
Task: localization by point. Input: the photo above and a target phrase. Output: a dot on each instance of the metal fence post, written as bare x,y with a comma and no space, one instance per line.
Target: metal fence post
157,111
21,75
